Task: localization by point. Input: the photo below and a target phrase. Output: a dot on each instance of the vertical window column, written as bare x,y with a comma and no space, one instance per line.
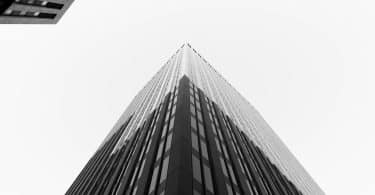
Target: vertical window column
179,167
159,175
131,169
202,176
226,163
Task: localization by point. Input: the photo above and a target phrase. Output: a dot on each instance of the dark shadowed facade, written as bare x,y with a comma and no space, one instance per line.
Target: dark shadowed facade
32,11
189,132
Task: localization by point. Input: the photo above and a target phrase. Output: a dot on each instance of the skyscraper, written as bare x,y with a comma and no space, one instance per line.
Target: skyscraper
32,11
188,131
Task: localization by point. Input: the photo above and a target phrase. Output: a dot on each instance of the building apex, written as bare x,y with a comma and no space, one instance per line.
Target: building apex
186,44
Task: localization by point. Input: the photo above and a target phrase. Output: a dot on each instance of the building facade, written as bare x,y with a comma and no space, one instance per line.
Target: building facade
188,131
32,11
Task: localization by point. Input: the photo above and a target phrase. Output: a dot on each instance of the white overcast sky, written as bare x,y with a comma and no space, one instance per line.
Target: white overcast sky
307,66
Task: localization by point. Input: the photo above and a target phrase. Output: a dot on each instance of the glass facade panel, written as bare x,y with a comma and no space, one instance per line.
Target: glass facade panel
154,179
208,179
204,150
169,141
193,123
196,169
164,169
194,141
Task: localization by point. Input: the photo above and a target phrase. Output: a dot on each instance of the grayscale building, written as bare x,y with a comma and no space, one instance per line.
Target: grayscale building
32,11
189,132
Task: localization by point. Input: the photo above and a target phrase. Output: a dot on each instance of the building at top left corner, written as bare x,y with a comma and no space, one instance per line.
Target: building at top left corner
32,11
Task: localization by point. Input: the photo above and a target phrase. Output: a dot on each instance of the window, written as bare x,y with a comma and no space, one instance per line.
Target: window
201,129
192,109
223,167
232,174
229,189
154,178
196,169
204,150
169,141
195,192
194,141
193,123
160,150
200,117
208,179
171,124
164,169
